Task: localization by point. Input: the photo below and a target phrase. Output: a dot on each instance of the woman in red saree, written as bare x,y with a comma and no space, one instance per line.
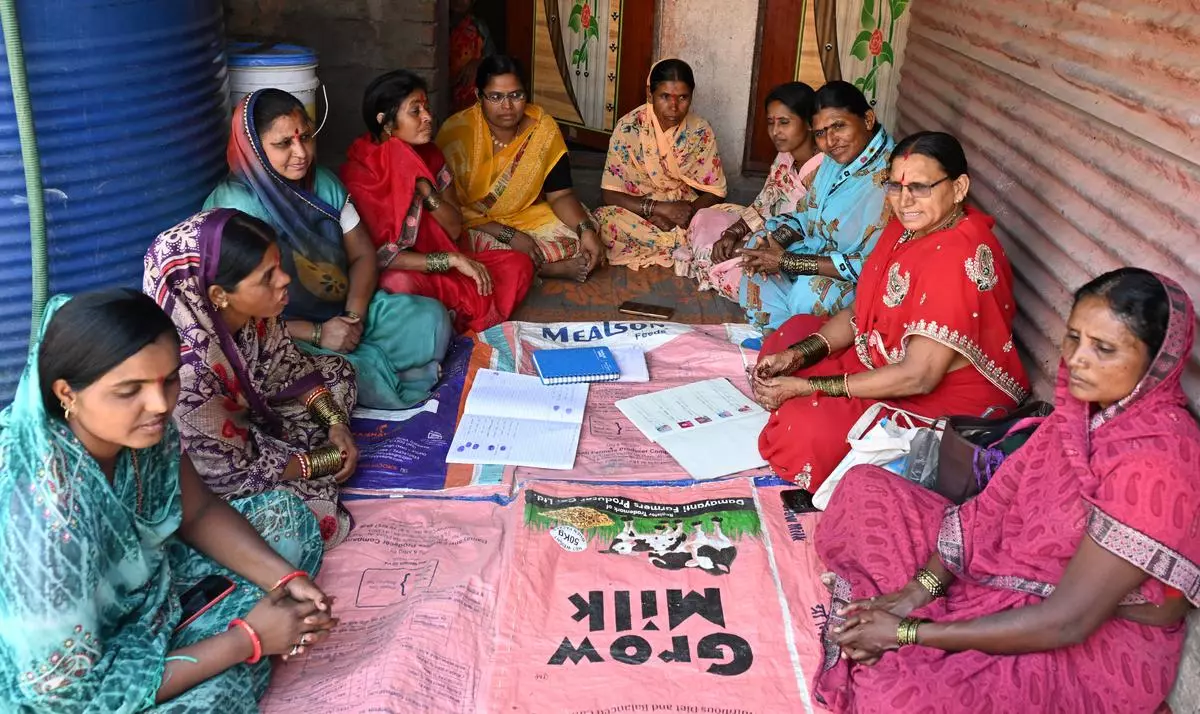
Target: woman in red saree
399,181
1067,579
930,331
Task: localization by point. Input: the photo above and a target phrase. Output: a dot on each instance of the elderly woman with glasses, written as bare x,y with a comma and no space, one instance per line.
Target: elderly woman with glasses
512,177
930,330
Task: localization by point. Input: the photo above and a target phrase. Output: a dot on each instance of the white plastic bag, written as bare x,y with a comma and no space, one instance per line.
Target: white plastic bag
882,435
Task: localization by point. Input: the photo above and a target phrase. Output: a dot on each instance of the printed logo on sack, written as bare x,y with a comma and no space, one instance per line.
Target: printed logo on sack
570,538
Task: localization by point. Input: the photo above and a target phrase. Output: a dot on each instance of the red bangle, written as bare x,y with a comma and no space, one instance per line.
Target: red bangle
289,578
258,653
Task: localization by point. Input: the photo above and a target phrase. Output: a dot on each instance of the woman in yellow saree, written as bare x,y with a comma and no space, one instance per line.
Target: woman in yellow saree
662,168
512,176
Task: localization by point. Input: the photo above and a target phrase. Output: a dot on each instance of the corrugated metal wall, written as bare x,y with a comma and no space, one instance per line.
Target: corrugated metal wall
1081,122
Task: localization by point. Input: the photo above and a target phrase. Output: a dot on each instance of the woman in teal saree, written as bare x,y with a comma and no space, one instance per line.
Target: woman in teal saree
108,522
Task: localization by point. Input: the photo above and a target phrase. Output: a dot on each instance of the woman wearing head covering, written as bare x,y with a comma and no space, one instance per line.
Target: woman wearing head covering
107,525
930,330
403,189
662,168
395,342
512,177
808,262
255,412
1063,585
716,234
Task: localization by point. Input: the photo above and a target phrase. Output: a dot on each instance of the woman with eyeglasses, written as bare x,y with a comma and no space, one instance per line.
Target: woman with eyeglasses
662,168
512,177
808,262
930,330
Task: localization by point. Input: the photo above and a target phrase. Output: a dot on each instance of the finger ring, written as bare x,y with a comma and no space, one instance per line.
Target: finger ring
295,650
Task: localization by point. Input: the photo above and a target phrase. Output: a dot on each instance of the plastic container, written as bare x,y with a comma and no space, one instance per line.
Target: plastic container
259,65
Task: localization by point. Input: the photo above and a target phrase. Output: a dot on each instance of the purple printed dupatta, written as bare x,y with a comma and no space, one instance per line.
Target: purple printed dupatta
240,412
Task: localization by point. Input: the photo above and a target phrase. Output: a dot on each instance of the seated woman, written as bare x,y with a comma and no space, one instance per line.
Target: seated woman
808,262
255,412
512,176
107,523
400,183
1062,586
662,168
716,233
930,331
395,342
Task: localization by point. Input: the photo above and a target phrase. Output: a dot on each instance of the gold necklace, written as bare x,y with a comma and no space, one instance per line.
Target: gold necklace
498,144
958,213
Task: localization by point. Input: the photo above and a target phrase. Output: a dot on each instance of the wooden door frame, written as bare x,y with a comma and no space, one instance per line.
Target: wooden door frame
749,165
636,49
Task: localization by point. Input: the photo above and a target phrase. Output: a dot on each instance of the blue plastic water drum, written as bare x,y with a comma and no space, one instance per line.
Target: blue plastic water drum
130,105
262,65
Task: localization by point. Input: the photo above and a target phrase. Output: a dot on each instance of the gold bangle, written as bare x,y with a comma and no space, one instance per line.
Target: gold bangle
326,461
305,466
325,408
814,348
506,234
352,315
830,386
431,202
437,262
795,264
930,582
316,334
906,631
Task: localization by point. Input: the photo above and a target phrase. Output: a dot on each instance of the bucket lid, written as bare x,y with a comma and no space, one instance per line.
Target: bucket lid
269,54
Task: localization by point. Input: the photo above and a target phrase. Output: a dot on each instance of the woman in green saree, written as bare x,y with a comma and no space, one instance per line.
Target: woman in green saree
107,522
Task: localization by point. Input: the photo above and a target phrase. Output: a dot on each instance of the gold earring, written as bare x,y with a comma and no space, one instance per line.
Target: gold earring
66,410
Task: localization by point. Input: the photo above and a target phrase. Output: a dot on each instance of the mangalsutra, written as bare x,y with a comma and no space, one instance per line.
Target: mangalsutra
137,478
956,214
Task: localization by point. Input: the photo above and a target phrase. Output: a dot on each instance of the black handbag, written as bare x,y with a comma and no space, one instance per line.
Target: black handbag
972,448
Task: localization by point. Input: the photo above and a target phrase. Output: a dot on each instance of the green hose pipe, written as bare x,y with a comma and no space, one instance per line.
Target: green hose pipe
29,158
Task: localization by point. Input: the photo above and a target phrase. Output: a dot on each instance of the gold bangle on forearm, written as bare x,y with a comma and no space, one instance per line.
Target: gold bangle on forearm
326,461
906,631
814,348
796,264
316,334
930,582
437,262
325,408
831,386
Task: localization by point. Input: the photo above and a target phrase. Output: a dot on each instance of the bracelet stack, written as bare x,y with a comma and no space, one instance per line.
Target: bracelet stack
316,334
323,406
838,386
352,315
305,466
586,224
796,264
813,349
648,207
254,640
906,632
437,262
930,582
325,461
506,234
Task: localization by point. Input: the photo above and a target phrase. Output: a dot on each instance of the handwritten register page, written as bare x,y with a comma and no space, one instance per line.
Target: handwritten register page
709,427
514,419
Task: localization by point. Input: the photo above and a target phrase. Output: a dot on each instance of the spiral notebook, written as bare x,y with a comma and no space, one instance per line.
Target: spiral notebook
576,364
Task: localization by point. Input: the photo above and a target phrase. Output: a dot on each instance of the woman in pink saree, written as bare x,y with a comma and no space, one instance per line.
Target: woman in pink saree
1063,586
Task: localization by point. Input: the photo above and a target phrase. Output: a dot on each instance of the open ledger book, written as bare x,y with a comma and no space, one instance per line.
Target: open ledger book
514,419
709,427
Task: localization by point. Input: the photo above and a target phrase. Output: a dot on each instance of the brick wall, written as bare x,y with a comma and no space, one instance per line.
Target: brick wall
355,40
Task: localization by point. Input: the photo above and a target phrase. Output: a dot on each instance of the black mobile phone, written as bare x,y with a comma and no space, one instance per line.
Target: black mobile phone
645,309
200,598
798,500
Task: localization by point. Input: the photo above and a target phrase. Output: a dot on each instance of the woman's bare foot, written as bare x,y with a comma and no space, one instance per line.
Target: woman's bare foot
575,268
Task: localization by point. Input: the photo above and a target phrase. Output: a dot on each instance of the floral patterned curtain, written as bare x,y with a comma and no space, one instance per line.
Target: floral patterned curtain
872,35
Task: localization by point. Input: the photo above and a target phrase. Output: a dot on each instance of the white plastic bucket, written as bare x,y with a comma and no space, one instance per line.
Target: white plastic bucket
254,66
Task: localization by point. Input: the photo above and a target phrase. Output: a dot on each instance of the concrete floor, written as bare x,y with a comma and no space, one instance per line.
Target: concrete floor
598,298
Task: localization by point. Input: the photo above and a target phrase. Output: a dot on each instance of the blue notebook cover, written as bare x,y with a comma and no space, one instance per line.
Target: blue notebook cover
576,364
